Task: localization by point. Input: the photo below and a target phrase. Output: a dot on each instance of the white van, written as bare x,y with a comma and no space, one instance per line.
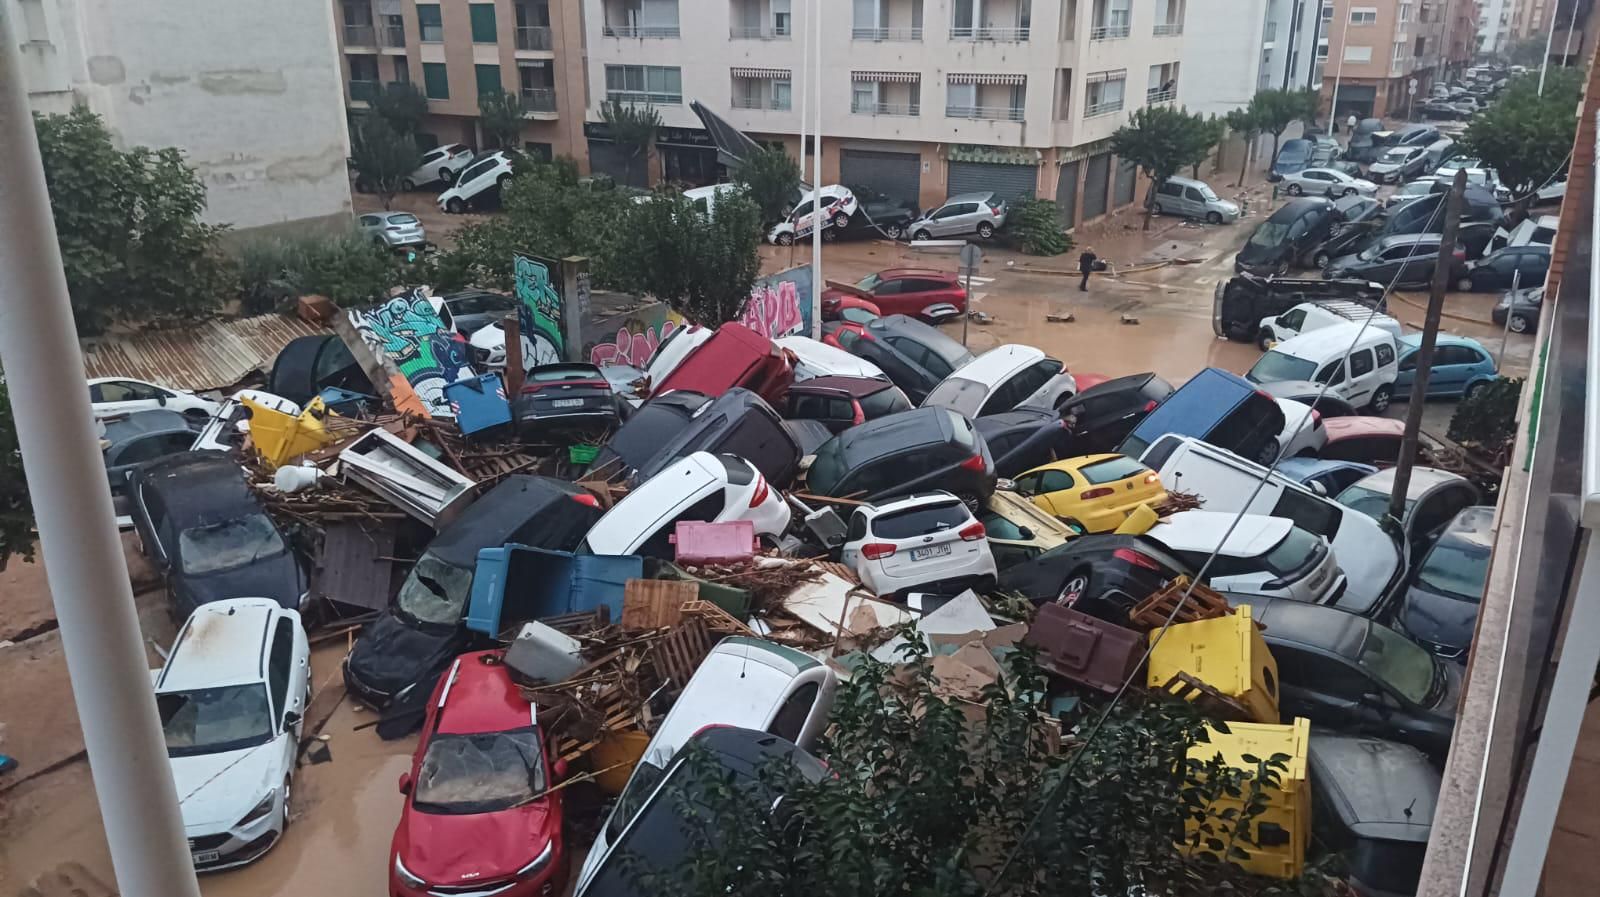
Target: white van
1193,199
1320,357
1309,316
1538,231
708,197
1369,556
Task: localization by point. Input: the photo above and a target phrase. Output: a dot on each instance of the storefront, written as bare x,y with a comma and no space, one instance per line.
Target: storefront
1008,173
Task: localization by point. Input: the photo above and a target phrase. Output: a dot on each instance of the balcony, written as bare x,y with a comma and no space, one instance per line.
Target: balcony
758,32
362,36
641,31
887,34
392,36
775,103
1108,32
1167,29
364,91
904,110
1011,35
984,113
1157,95
1104,107
645,98
538,100
534,37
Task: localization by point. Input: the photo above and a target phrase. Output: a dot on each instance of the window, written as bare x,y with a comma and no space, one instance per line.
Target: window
430,23
1055,481
1363,15
1357,54
1361,363
1335,677
1331,374
1422,45
402,70
1385,355
123,391
483,30
1405,12
645,83
1293,319
435,81
791,717
488,79
279,661
1104,96
1170,189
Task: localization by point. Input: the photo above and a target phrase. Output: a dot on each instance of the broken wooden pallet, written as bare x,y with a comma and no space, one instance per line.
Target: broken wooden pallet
1204,603
1211,702
678,655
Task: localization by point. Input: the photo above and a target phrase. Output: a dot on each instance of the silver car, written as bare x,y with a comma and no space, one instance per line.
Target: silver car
968,213
393,229
1327,182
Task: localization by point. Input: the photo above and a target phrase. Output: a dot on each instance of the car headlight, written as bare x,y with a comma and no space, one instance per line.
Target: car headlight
260,810
539,862
410,880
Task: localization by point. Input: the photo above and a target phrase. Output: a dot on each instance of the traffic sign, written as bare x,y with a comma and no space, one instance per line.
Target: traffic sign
971,255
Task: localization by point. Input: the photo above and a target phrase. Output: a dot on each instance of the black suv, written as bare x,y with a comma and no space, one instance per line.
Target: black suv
1288,237
921,450
1103,415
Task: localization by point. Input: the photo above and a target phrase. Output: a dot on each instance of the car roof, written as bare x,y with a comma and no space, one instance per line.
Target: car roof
1360,426
479,696
929,336
1124,383
1402,239
1327,342
1300,468
1423,480
909,501
1294,208
222,643
999,363
1413,341
916,272
196,484
1252,535
1019,418
929,425
121,428
495,517
1378,789
1311,625
856,387
980,196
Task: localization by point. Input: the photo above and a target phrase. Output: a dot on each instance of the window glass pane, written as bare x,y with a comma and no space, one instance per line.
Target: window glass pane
488,79
483,30
430,23
435,81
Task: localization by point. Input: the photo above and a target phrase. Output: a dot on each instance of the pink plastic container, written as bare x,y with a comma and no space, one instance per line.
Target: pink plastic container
731,542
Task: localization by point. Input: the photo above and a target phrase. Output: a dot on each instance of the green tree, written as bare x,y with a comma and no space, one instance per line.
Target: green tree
1529,52
1524,136
1212,130
772,178
16,510
701,263
500,114
128,221
383,158
348,268
1035,225
1162,141
403,105
1247,124
1275,110
634,128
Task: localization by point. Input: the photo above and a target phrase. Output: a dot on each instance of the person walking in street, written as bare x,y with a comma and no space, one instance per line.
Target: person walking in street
1086,267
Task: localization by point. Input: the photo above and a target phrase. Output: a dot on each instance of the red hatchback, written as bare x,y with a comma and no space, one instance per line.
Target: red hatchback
923,293
476,818
734,356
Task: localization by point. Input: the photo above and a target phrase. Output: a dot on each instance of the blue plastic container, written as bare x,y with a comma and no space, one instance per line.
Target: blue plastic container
516,583
479,403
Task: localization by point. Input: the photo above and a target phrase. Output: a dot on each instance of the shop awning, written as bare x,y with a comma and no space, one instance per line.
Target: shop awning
890,77
1113,75
762,74
971,78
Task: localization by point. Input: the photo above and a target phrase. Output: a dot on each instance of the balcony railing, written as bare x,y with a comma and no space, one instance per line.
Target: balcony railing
1104,107
886,34
363,90
643,97
1271,33
392,36
900,109
1156,95
774,103
1108,32
984,113
533,37
758,32
641,31
1166,29
1016,35
538,99
360,36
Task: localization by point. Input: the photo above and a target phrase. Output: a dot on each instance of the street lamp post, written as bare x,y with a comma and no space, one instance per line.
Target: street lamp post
1338,72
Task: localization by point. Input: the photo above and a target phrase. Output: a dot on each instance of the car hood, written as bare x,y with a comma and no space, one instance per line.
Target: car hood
1437,618
392,652
488,336
1384,166
460,849
1346,262
279,578
1292,389
216,790
1370,559
1252,254
1227,205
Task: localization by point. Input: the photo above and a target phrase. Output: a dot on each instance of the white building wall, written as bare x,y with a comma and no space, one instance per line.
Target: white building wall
1223,53
1290,56
1493,19
250,91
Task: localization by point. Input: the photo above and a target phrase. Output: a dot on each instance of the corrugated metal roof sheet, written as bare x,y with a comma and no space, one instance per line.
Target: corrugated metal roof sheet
209,355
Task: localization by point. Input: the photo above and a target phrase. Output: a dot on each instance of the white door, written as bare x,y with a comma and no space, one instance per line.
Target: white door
1363,378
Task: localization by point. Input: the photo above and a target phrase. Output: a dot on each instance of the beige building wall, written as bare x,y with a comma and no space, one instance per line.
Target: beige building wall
1373,50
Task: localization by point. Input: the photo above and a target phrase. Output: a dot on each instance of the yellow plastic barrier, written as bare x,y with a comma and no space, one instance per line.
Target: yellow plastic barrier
1226,653
1282,833
280,438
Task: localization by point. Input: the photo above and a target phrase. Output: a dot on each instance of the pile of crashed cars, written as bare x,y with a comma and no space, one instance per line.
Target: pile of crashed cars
601,573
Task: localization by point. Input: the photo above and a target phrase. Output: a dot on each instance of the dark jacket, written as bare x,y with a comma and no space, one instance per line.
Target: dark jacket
1086,262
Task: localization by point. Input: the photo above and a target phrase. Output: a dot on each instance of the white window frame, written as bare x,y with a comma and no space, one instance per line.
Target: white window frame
1363,15
1357,54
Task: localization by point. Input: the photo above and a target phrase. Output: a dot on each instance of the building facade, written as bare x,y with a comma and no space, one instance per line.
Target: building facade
1291,48
456,51
247,90
1494,24
920,99
1384,55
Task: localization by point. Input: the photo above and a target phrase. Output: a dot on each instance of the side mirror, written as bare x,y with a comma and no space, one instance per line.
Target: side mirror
405,783
161,400
1318,488
1025,532
291,719
559,768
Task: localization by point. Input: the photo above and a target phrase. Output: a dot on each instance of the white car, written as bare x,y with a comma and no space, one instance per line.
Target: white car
672,351
1260,555
1309,316
838,204
441,163
119,395
489,348
1302,432
704,487
1551,193
225,431
486,173
818,359
745,682
1327,182
231,696
708,197
928,541
1003,379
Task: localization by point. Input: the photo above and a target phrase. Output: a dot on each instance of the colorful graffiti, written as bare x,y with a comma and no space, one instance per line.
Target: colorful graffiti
539,312
780,305
408,332
630,338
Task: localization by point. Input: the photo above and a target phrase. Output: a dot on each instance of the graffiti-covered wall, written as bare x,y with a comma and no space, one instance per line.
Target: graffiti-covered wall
780,305
629,337
539,311
408,333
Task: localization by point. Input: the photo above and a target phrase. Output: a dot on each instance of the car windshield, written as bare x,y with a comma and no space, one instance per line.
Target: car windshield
434,591
868,282
1207,193
828,468
638,790
885,402
402,218
1399,663
1275,366
479,773
213,720
228,545
959,394
1456,570
1370,502
856,315
1269,234
1294,553
1112,469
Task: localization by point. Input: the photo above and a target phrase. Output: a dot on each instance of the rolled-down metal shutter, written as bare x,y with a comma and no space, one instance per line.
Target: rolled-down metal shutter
1125,181
1095,180
895,175
608,158
1067,194
1007,181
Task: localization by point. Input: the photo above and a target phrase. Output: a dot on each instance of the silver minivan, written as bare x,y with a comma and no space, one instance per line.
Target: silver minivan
969,213
1193,199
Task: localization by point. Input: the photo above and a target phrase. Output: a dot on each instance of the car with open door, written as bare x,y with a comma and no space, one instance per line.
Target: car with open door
842,402
1102,415
1023,439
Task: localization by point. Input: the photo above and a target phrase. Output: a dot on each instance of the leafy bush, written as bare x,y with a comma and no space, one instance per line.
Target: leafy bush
16,510
1035,227
1487,419
347,268
772,178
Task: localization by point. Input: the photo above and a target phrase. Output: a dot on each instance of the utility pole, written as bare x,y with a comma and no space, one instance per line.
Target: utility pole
77,529
1430,336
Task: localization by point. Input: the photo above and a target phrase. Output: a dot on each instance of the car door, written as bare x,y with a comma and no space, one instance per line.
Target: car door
1449,374
1056,491
1332,374
1532,266
1319,687
123,396
1414,262
1363,379
954,218
1289,323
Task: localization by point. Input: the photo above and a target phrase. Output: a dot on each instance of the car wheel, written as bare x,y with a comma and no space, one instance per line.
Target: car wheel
1519,324
1472,389
841,221
1294,189
1213,217
500,183
1464,284
785,239
446,175
985,230
1265,339
894,231
1074,588
455,206
922,235
1155,208
1381,398
1320,260
407,185
830,235
1350,191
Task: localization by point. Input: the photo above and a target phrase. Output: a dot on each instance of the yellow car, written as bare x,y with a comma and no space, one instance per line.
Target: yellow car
1096,492
1020,530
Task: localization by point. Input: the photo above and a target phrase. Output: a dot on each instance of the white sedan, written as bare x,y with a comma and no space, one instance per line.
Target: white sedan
1326,182
121,395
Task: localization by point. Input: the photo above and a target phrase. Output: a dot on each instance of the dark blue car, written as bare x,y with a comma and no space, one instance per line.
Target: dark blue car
1293,155
1223,409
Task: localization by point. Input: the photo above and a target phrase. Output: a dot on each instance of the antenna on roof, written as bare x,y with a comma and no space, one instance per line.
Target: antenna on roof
1407,810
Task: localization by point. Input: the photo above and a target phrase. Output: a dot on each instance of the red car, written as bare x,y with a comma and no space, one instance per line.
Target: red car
734,356
844,307
1363,438
474,818
923,293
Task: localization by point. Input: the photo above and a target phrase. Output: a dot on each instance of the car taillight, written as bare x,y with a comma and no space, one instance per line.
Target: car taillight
876,551
974,463
1150,406
1101,492
1128,555
760,495
866,335
972,532
995,211
587,499
1316,418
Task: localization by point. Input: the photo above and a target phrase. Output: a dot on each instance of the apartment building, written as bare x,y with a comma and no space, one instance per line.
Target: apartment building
247,90
1494,25
1290,42
1385,54
920,100
456,51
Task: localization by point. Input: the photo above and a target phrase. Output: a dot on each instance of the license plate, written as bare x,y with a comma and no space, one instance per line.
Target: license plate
205,856
932,551
567,403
